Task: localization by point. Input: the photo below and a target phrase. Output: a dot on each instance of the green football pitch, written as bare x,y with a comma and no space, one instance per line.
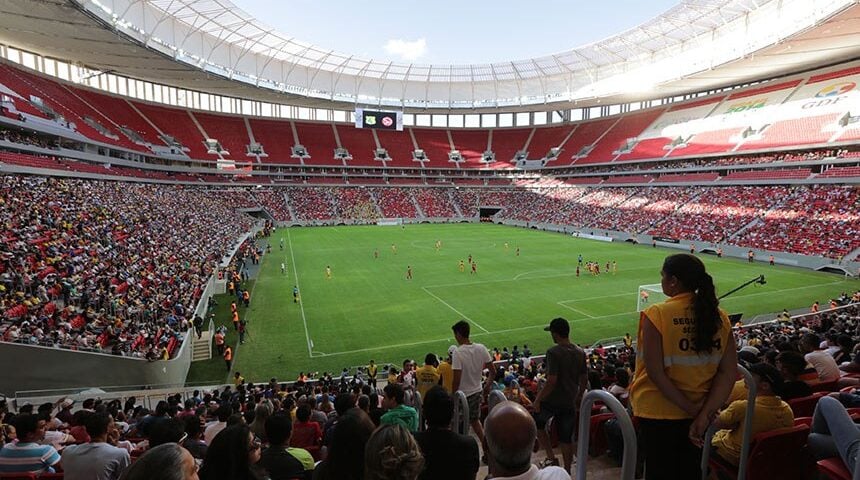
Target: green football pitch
368,309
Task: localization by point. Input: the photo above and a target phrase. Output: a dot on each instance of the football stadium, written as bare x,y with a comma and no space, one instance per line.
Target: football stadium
246,239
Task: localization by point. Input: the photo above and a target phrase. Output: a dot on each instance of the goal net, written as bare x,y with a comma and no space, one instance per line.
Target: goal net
649,295
390,221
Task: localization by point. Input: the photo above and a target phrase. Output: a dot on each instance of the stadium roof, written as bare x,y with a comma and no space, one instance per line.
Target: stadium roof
214,46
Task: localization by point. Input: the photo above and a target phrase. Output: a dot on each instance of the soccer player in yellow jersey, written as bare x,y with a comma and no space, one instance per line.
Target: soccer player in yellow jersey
328,272
461,266
614,267
685,369
394,249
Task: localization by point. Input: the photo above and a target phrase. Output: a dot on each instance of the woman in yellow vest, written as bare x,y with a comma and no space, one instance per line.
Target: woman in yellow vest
685,369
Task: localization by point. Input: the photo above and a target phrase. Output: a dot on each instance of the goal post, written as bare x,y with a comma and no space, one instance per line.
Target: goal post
649,295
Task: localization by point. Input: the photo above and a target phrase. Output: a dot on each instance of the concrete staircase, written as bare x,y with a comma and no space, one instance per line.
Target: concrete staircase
201,348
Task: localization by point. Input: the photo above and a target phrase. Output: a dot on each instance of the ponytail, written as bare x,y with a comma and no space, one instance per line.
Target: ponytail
706,308
690,271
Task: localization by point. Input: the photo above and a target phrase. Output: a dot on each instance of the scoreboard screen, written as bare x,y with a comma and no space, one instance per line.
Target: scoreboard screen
376,119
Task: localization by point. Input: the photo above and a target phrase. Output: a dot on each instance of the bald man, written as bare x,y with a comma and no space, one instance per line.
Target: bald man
509,436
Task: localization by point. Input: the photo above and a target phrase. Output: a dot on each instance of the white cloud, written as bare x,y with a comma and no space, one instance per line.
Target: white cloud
405,49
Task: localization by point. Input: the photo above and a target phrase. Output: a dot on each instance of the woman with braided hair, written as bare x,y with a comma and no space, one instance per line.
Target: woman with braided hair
685,369
392,454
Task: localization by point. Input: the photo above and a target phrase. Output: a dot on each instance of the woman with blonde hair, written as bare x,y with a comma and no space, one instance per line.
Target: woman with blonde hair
392,454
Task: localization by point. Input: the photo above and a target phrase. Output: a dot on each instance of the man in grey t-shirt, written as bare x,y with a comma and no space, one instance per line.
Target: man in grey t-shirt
96,460
566,379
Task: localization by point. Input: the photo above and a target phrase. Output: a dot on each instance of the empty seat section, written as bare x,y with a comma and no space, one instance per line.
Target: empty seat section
360,144
66,104
630,126
798,131
177,123
506,143
836,172
656,140
715,141
436,146
688,177
799,173
318,139
230,133
472,144
546,138
629,179
399,146
121,113
585,134
276,137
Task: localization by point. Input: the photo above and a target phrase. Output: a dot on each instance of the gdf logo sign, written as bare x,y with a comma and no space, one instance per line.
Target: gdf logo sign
744,106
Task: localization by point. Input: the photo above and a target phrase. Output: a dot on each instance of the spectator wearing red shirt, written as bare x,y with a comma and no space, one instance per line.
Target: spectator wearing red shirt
306,433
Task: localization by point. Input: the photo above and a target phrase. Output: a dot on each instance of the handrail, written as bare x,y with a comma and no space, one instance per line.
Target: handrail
461,413
628,465
747,437
417,404
496,397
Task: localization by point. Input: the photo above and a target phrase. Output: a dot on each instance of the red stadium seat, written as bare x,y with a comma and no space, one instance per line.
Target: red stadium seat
778,454
805,406
834,469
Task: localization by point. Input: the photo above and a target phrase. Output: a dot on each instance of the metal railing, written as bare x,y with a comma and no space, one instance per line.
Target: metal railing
461,413
496,397
628,465
418,404
747,437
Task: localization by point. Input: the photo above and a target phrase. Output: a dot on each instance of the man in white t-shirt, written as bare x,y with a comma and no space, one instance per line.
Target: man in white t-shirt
214,428
470,360
823,362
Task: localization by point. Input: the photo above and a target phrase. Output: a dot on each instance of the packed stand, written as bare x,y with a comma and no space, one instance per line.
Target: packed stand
394,202
435,202
720,212
816,220
107,266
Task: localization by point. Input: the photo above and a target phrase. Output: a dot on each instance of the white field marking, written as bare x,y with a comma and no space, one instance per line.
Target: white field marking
517,277
383,347
558,275
529,327
597,298
543,325
574,309
454,309
301,300
319,354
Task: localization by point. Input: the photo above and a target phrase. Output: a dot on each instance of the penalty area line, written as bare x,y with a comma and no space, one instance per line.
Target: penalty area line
428,292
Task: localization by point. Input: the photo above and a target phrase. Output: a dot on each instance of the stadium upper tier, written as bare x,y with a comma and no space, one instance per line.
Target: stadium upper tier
817,110
214,43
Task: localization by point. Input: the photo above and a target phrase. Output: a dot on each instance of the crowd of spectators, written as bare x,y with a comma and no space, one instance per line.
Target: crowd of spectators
107,266
356,426
798,221
394,202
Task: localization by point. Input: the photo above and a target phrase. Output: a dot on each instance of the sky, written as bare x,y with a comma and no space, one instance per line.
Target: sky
452,31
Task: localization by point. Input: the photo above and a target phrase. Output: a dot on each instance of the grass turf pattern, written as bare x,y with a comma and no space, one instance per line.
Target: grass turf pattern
368,309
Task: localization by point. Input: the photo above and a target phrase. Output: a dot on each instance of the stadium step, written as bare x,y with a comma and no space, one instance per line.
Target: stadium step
200,347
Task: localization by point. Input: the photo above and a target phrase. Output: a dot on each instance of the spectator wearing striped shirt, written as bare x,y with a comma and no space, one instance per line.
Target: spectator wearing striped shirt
27,455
